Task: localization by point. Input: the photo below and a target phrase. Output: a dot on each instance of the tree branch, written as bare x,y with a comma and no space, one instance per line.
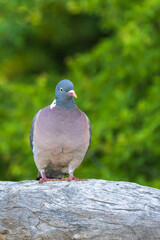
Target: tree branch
93,209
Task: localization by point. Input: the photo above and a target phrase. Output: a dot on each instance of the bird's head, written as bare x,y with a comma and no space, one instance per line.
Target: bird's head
65,94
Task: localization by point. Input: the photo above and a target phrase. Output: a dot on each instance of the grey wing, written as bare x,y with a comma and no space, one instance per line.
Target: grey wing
89,125
32,132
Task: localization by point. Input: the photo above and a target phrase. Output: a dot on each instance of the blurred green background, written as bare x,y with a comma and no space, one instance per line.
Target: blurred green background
110,50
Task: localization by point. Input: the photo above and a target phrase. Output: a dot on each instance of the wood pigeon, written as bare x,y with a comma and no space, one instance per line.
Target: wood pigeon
60,136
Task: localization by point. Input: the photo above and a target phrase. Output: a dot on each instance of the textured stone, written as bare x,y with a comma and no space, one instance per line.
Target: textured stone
93,209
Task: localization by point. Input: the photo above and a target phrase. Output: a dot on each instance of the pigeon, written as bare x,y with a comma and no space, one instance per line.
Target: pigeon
60,136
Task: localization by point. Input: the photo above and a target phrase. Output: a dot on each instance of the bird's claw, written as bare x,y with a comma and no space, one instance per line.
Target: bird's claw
44,179
72,178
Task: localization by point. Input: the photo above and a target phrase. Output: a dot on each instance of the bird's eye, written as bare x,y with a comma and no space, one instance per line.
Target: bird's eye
61,89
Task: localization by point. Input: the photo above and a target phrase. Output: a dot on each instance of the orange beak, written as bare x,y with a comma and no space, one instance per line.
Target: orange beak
72,92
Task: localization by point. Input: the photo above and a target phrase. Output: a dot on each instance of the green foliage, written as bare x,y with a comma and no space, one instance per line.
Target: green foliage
111,51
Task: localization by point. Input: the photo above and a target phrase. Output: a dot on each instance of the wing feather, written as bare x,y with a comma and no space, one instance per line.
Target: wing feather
32,132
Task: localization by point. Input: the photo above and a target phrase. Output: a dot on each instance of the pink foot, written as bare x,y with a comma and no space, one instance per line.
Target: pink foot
47,179
72,177
44,178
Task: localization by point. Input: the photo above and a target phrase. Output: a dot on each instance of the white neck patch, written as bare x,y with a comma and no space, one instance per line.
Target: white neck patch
53,104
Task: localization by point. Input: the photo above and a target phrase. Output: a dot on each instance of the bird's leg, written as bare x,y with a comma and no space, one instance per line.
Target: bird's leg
72,177
44,178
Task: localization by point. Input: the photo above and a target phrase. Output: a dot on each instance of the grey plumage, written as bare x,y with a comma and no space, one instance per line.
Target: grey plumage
31,132
60,135
90,131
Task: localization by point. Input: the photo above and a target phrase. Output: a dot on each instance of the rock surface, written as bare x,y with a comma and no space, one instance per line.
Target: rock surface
93,209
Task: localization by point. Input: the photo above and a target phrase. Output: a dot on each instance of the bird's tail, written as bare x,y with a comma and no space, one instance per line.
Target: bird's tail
50,173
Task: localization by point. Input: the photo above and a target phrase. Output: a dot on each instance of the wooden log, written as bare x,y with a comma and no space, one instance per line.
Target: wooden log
93,209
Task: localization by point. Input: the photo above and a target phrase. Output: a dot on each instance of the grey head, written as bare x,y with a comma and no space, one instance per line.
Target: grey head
64,94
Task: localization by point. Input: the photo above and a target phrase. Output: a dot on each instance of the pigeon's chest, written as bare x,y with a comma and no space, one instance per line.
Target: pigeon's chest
60,129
